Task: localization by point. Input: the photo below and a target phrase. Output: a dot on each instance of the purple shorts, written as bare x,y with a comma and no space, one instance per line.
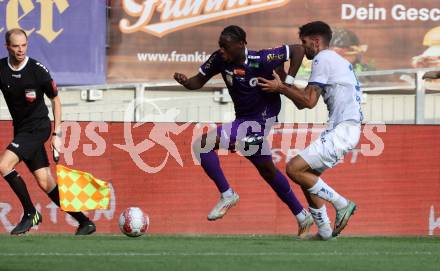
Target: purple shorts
247,136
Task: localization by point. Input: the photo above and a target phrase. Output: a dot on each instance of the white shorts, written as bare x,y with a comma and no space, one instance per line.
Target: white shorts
331,146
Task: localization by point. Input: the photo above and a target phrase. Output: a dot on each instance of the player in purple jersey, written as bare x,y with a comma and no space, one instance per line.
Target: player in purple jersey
256,112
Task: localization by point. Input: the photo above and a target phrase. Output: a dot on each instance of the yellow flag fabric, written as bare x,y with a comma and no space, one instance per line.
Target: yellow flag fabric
80,191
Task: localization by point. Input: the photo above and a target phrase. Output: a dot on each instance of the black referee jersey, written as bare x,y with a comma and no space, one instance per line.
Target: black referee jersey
24,91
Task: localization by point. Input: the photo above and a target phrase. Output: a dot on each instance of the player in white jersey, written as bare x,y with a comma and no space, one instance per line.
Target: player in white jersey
332,77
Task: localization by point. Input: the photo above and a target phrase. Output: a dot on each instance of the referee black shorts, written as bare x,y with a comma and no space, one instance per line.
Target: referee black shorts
29,147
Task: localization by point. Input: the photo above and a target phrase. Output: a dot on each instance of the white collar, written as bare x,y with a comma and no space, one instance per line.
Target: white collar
246,55
23,64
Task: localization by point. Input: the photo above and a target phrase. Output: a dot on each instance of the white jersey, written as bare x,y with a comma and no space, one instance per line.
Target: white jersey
341,90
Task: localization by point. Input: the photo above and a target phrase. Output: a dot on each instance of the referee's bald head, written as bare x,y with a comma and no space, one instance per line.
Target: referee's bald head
14,31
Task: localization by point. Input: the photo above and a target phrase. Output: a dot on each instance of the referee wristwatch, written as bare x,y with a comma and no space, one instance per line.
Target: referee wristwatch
59,134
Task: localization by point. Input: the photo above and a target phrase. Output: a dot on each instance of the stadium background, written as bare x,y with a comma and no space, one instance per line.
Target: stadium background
100,73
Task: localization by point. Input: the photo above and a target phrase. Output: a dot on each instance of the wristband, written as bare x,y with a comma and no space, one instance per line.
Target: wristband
289,80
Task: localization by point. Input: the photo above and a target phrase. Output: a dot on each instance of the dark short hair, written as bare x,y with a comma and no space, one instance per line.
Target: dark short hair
14,31
234,33
316,28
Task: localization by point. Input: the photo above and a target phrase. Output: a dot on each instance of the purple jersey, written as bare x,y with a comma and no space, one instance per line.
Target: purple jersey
250,102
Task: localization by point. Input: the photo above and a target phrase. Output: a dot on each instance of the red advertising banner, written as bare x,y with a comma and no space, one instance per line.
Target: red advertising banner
153,39
392,175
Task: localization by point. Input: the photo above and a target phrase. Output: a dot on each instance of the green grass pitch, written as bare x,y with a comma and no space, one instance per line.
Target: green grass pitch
216,252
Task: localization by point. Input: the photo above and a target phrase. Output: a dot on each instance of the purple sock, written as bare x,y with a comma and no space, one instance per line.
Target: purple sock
211,165
281,186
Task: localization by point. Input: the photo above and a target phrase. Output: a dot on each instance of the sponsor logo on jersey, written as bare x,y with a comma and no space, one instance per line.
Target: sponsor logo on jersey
240,72
254,65
16,75
253,57
253,82
273,57
31,95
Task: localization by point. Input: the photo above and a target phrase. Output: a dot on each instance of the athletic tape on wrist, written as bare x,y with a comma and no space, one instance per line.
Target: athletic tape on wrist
289,80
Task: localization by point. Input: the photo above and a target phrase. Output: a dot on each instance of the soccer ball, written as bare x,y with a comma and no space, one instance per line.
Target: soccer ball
133,222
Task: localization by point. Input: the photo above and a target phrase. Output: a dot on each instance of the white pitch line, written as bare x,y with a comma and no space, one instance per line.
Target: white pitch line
208,254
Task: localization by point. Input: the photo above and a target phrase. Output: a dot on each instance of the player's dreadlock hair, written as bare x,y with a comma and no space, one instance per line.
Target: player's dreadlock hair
14,31
317,28
234,33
